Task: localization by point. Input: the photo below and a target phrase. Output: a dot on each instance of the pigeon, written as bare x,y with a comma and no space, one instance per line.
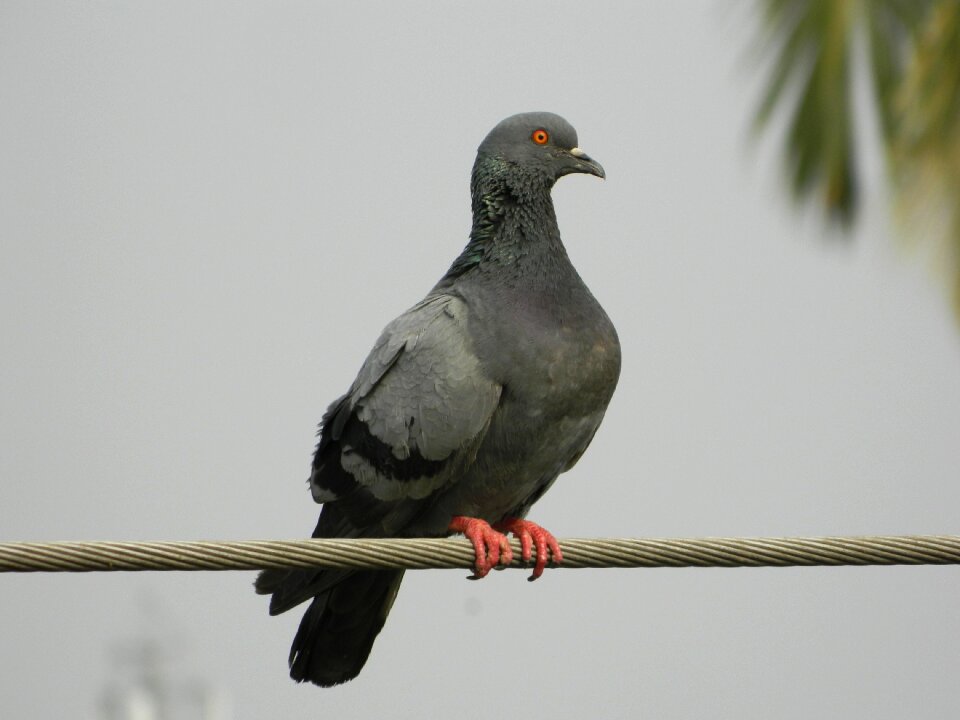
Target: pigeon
469,406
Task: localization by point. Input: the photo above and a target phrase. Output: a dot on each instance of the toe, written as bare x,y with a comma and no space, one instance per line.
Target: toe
506,552
492,540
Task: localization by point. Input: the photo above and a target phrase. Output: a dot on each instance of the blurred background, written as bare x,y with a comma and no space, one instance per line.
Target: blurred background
208,211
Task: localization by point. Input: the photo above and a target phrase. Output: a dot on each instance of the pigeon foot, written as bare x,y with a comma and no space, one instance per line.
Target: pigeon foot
491,547
531,534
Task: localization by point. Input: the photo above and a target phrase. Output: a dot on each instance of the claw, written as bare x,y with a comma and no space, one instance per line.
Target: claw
491,548
532,535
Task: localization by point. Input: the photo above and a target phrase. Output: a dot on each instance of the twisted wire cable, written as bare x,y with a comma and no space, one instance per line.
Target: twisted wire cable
433,553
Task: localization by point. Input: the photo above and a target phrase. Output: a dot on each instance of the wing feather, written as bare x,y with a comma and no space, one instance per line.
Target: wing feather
416,413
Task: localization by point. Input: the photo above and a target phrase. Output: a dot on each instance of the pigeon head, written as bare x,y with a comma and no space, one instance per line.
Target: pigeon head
537,148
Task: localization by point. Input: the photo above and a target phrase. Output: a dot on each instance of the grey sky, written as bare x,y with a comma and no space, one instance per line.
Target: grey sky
209,211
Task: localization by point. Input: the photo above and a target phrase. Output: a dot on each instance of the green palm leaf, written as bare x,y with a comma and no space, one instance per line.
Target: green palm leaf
925,150
911,51
814,44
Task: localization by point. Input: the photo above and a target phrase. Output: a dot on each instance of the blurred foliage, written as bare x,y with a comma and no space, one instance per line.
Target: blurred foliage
910,50
925,153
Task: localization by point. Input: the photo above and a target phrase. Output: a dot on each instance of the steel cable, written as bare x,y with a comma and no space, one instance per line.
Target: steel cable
427,553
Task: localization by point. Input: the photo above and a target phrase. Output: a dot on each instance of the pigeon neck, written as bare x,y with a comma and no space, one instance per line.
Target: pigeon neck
514,225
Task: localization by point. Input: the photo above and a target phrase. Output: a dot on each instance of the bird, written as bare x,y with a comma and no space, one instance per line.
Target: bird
468,407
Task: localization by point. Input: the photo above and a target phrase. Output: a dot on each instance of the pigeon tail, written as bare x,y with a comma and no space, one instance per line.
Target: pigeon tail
338,629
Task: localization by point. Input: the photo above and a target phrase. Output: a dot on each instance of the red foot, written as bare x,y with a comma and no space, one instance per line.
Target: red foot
491,547
532,534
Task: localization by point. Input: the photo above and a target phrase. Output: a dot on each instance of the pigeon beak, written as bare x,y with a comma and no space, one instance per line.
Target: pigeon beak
585,164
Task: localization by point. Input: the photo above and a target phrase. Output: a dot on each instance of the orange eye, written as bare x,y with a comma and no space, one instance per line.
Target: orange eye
540,136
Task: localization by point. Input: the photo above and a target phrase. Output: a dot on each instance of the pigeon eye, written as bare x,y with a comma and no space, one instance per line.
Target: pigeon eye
540,136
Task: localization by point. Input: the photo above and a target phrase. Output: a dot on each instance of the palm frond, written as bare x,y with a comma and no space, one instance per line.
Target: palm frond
925,152
814,44
891,28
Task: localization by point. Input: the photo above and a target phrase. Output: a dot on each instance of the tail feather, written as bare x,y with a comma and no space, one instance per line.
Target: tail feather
338,629
289,588
348,610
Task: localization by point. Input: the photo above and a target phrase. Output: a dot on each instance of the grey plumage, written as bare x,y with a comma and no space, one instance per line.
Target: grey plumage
470,403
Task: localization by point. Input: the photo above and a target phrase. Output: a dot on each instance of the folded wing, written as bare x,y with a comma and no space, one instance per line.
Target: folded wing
415,415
